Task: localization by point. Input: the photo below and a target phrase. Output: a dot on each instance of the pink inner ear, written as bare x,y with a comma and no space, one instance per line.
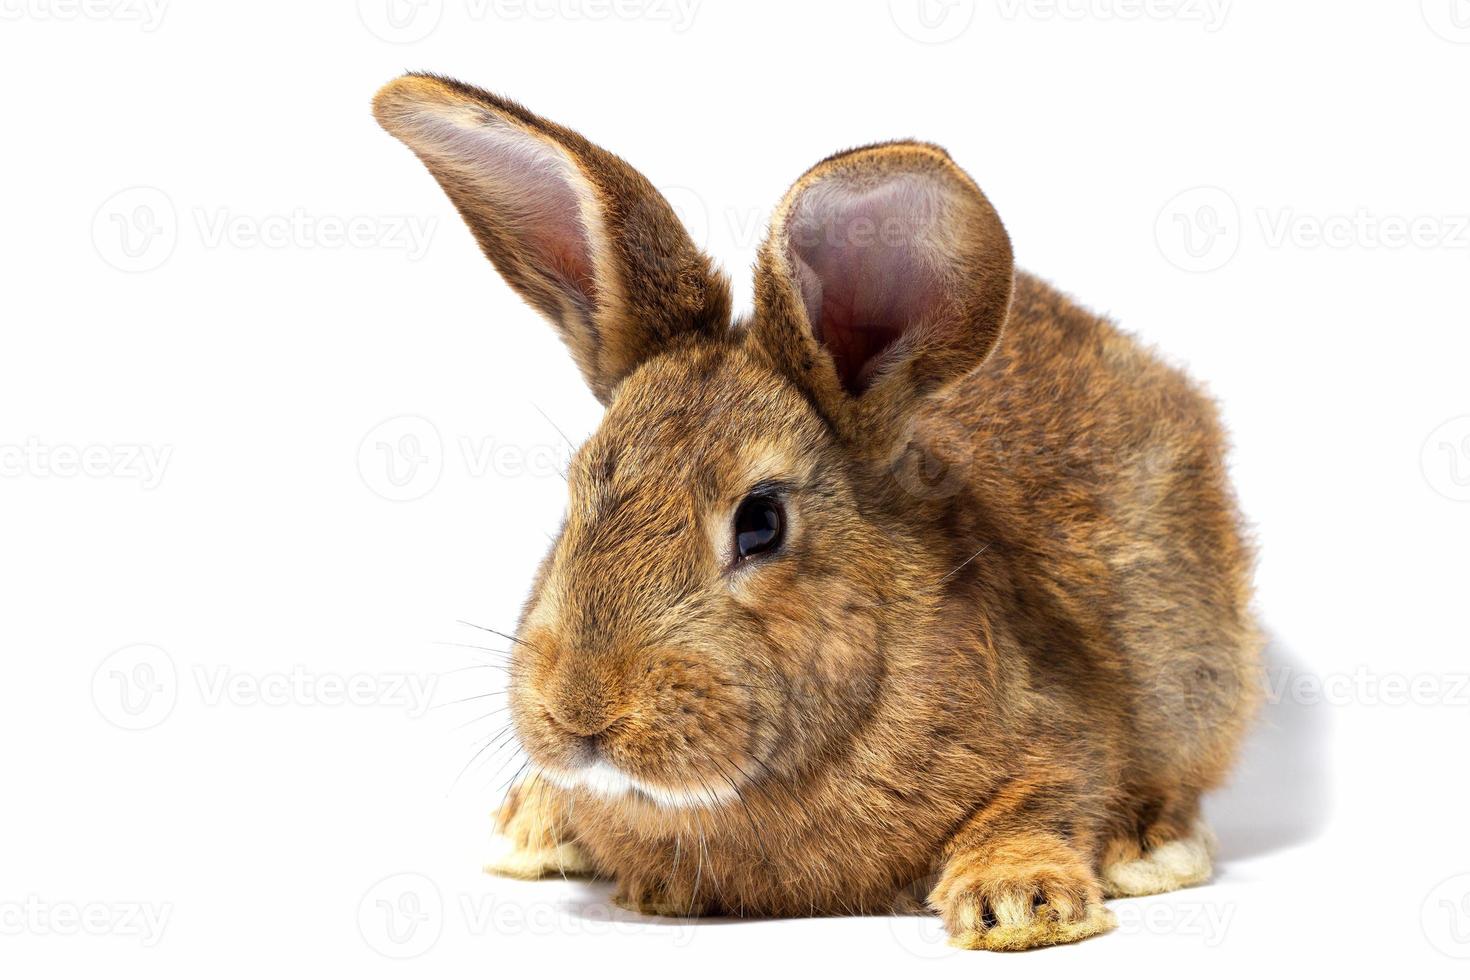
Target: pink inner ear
861,255
533,190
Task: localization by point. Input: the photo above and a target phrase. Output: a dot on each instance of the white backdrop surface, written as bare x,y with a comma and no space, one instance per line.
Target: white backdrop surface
271,428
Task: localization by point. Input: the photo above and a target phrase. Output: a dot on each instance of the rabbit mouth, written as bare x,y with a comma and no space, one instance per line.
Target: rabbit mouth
601,777
604,779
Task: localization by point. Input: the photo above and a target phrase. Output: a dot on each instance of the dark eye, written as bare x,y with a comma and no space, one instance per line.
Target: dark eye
759,524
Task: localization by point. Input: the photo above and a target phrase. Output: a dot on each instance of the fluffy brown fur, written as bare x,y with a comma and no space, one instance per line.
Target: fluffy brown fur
1005,645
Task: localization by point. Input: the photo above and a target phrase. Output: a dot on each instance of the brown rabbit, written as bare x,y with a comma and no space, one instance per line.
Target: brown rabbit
919,577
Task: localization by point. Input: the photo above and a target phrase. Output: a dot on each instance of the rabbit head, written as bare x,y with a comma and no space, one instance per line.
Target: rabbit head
741,551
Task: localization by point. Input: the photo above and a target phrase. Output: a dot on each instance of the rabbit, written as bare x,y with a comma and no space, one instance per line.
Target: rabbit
918,584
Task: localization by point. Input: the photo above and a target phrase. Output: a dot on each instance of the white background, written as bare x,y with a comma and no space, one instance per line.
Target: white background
255,474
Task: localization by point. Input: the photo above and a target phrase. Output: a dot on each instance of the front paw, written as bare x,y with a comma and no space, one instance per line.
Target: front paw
530,838
1015,902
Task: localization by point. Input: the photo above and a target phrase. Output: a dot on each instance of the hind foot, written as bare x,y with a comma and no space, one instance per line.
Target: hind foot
1162,867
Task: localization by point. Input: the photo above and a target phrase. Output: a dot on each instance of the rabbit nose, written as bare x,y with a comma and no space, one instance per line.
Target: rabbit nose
585,695
582,720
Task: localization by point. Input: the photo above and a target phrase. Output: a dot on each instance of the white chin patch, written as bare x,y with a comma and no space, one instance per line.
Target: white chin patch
609,781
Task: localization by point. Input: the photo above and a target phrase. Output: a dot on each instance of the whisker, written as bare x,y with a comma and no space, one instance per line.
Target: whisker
458,670
549,422
929,588
501,768
492,711
473,697
570,446
744,806
460,775
503,636
983,548
510,782
471,646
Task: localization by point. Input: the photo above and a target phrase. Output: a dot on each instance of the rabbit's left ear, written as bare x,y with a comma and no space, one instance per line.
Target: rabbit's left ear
885,276
579,233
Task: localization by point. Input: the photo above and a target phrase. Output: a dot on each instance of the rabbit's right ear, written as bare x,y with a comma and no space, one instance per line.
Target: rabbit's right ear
580,234
886,276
